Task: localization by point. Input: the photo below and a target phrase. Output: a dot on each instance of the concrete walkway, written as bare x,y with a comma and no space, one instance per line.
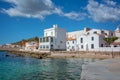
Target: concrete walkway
102,70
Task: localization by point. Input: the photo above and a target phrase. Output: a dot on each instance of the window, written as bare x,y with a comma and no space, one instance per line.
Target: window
72,47
61,41
46,34
47,46
81,46
51,39
95,32
102,32
105,33
92,46
67,47
88,33
41,46
73,42
101,45
40,39
51,46
47,39
111,34
92,38
81,40
67,42
43,39
52,33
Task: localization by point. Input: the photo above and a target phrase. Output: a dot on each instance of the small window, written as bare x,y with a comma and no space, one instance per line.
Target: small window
67,42
102,32
95,32
51,39
81,46
101,45
52,33
43,39
111,34
88,33
72,47
73,42
41,46
81,40
92,46
47,46
40,39
61,41
105,33
47,39
92,38
46,34
67,47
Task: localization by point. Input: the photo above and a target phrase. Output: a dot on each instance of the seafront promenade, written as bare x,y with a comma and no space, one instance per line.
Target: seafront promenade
108,69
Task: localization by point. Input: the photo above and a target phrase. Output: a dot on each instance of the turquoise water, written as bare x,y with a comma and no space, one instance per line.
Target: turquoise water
25,68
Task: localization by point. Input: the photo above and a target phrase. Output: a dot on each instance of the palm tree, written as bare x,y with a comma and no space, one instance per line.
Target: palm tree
110,40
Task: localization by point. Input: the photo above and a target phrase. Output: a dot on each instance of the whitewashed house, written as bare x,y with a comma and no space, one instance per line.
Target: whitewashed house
54,39
31,46
88,39
71,44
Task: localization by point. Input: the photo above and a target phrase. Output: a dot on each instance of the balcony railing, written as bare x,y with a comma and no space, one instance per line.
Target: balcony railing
46,39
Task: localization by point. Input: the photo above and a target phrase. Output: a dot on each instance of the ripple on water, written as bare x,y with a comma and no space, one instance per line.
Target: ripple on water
22,68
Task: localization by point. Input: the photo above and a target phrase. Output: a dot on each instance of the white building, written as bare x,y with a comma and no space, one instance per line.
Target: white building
71,44
87,40
31,46
117,34
54,39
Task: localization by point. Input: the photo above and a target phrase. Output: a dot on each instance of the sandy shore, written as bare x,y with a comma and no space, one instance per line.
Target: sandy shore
108,69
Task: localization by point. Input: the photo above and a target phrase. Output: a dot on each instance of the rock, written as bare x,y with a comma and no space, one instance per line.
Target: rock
40,57
7,55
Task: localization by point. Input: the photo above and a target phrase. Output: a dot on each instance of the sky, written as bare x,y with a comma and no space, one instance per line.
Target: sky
23,19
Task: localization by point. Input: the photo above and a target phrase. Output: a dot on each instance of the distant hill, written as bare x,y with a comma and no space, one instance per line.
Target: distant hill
35,39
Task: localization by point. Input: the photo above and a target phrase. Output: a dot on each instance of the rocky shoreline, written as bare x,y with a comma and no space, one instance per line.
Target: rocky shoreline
63,54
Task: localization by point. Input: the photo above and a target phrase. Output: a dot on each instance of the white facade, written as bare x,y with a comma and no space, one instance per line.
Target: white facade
54,39
71,44
117,34
31,46
88,40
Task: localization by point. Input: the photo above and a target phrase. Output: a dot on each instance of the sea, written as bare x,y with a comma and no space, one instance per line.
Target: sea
13,67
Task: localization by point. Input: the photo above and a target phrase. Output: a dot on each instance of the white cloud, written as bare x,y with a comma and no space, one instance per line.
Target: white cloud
103,12
109,2
30,8
99,12
38,9
74,15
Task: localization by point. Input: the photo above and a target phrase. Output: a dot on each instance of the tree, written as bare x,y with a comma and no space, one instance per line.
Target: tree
110,40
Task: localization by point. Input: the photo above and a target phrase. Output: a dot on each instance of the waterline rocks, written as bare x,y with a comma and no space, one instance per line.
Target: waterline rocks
38,55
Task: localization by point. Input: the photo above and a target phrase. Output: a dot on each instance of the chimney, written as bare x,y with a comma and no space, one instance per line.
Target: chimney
55,26
86,29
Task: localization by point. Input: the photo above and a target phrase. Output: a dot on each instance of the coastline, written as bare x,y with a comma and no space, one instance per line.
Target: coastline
62,54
